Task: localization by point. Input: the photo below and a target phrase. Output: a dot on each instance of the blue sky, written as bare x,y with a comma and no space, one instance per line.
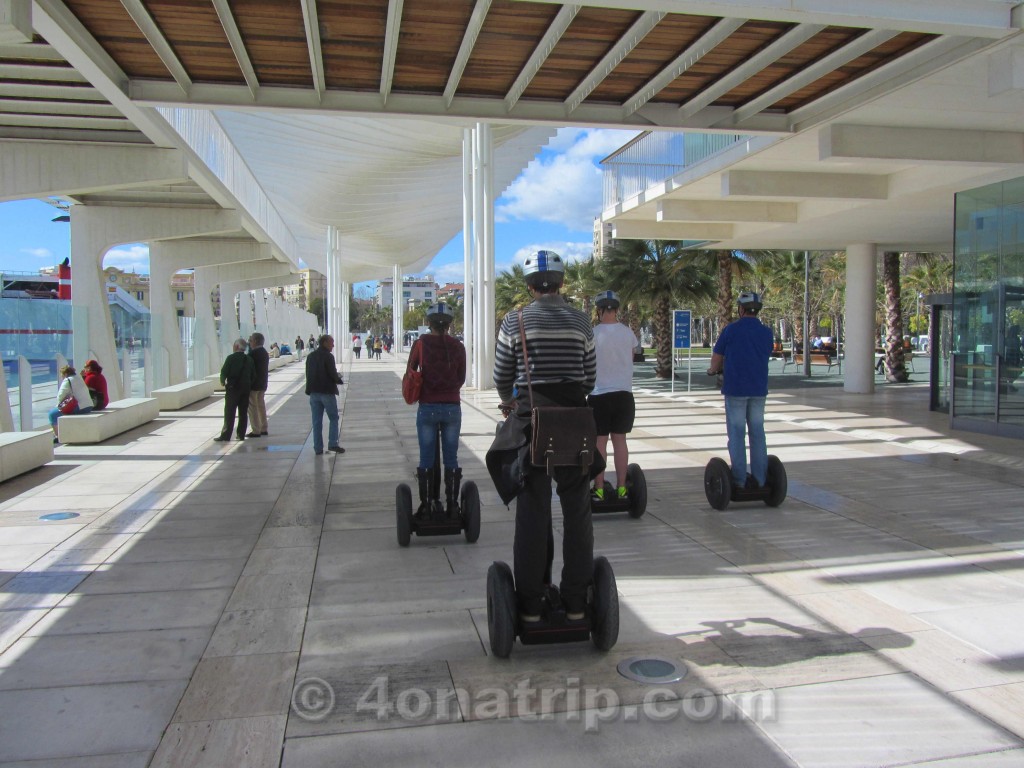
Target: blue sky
552,205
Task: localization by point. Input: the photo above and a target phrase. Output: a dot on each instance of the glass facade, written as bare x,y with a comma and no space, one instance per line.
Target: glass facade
988,310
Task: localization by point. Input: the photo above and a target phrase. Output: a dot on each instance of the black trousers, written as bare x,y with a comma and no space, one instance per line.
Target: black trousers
235,401
532,550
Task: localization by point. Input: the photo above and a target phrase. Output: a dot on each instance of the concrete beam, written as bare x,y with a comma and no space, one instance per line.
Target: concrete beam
920,145
1006,71
652,230
835,186
15,21
726,211
40,169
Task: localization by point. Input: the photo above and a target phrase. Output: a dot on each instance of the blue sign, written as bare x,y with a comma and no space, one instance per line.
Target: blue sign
681,329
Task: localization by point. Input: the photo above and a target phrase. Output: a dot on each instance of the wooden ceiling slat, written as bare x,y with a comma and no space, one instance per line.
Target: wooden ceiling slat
275,38
352,39
428,43
508,38
740,46
122,39
197,37
666,41
804,55
899,46
590,36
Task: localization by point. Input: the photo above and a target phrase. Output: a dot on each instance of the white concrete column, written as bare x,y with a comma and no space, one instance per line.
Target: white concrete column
260,314
96,229
344,343
245,313
859,368
483,217
397,304
469,291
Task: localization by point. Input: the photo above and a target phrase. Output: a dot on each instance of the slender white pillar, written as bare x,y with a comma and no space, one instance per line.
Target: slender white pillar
468,294
245,313
859,368
344,344
483,216
397,304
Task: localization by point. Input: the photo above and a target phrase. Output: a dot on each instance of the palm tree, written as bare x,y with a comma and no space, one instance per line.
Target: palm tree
729,266
895,362
510,292
658,272
583,279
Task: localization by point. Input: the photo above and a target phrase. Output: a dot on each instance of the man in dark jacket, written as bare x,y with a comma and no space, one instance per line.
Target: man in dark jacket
322,380
236,375
257,395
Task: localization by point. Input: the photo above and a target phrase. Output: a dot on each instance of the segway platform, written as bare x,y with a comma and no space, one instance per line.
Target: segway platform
635,501
720,489
600,622
435,521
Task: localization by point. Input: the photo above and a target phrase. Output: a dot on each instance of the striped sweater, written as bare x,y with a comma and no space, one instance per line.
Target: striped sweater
559,340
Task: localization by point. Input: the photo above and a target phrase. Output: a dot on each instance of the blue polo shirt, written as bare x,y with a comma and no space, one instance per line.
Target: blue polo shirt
746,345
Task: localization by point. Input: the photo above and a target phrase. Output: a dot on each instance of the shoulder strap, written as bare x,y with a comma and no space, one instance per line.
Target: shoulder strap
526,357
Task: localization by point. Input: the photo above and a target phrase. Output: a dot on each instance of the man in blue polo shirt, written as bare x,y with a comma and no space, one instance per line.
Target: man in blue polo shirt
742,353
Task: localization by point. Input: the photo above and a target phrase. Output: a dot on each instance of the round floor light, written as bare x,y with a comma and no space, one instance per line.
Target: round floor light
652,670
59,516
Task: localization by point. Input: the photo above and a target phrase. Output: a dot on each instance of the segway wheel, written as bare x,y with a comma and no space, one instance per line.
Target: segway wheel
605,627
470,505
403,513
718,483
637,490
501,609
776,481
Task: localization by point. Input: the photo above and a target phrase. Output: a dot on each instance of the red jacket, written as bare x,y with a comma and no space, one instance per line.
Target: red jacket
96,381
442,359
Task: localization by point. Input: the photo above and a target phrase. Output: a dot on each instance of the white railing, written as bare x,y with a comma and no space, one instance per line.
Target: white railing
654,157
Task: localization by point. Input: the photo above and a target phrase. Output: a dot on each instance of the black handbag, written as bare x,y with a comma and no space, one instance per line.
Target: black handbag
560,436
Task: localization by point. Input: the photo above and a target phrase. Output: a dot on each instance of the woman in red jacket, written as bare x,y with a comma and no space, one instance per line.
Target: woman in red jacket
92,372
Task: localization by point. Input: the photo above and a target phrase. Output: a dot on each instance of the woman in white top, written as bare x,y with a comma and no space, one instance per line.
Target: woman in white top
72,385
612,398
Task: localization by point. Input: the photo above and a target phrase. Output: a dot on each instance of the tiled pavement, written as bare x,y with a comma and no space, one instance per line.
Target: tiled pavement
247,604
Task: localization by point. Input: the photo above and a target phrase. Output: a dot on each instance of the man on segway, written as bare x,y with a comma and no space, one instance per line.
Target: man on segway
612,398
741,353
560,347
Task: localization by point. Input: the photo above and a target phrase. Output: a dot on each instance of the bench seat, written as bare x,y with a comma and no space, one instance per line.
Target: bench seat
179,395
22,451
817,359
119,416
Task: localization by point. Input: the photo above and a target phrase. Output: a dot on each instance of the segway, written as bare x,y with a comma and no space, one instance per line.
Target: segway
720,489
600,622
635,500
434,520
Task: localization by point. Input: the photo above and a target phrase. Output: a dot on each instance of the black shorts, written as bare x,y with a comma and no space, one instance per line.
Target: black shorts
613,412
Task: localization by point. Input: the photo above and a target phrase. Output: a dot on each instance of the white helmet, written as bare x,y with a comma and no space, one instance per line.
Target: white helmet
607,300
544,269
440,312
750,300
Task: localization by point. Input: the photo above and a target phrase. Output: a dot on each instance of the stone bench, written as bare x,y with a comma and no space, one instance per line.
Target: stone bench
119,416
215,379
22,451
179,395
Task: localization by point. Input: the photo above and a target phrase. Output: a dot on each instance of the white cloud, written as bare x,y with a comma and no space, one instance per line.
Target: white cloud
564,188
569,251
39,253
131,258
449,273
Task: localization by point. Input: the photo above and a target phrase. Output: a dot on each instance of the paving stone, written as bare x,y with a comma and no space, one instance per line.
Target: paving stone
226,687
254,742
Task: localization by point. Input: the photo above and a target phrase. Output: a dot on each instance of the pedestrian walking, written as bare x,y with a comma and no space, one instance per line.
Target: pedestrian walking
322,380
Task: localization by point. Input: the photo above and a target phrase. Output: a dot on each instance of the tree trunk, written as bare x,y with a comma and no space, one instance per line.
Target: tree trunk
895,362
662,322
724,288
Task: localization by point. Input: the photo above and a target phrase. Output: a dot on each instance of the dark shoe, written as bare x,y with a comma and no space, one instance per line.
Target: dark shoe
263,434
335,449
56,441
452,483
241,437
752,484
423,485
221,439
319,453
253,434
575,608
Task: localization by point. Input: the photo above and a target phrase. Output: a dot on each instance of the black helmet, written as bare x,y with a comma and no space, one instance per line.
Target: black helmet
750,300
607,300
544,269
440,313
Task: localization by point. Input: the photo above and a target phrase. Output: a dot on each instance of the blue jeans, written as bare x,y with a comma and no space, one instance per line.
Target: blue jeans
743,415
56,414
429,417
319,404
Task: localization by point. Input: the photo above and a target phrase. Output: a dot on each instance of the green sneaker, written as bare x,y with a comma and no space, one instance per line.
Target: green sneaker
599,494
622,491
